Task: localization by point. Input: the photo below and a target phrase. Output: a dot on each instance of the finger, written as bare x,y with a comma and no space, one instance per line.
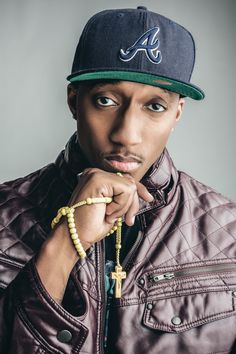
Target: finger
120,200
120,206
143,193
141,189
132,211
123,196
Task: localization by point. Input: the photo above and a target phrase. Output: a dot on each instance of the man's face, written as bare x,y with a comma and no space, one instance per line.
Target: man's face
124,126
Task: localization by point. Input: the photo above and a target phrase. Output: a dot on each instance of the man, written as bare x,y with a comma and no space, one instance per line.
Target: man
166,281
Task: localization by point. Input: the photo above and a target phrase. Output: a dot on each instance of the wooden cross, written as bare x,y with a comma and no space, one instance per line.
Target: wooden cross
118,275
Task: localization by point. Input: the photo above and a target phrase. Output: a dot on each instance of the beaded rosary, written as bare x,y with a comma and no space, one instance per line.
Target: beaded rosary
67,211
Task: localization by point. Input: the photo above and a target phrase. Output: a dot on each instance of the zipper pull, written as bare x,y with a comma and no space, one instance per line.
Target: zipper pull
165,276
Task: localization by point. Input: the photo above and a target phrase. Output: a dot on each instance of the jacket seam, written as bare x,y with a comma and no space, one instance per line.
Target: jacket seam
206,319
170,295
22,315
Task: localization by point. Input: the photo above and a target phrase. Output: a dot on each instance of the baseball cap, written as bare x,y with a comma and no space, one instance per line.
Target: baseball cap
136,45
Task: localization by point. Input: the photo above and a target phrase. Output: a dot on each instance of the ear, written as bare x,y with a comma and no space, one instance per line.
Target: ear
72,99
180,109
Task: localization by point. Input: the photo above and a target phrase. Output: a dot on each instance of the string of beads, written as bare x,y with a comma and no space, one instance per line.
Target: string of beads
68,212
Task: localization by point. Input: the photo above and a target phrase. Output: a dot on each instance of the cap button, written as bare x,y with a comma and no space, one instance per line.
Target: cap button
141,8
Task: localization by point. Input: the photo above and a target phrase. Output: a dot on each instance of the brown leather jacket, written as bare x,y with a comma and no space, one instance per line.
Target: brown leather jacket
180,292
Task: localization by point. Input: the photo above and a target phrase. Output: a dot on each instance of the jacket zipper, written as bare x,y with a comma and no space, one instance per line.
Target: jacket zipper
201,270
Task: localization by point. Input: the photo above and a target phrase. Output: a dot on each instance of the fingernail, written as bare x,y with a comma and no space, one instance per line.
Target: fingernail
152,198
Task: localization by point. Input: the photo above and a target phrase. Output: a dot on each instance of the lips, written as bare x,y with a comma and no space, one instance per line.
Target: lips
123,163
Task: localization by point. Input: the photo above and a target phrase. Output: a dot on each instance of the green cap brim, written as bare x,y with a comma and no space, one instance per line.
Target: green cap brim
182,88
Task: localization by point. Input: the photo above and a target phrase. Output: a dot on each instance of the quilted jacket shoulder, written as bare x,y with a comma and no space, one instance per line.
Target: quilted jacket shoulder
27,205
211,215
205,197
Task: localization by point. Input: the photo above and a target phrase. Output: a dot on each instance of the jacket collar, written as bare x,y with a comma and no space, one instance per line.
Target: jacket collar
160,180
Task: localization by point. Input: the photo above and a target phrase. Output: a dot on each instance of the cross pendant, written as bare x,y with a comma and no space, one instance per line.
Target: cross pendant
118,275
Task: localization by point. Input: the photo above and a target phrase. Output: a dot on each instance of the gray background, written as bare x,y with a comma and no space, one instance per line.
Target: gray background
37,44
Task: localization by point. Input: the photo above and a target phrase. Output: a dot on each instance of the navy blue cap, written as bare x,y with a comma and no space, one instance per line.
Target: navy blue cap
136,45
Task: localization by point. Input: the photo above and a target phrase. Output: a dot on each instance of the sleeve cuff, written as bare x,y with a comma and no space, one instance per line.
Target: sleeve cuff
46,319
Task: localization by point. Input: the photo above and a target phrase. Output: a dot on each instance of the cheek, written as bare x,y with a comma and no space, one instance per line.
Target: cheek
158,133
155,141
84,136
92,136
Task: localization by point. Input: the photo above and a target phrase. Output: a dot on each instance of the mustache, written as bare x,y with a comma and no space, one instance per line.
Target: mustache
121,156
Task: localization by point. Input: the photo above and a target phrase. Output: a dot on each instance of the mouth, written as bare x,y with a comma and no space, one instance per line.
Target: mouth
122,163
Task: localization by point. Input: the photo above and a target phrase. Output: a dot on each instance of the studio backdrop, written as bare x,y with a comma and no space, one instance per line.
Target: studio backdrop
37,44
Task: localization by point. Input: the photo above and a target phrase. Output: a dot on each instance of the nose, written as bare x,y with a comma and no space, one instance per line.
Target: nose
127,128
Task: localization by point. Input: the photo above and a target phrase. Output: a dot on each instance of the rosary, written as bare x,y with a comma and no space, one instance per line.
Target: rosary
118,275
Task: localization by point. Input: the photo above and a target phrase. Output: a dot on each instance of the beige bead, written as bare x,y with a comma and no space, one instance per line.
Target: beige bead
71,225
70,215
79,247
89,201
74,236
73,230
81,251
70,220
119,174
76,241
63,211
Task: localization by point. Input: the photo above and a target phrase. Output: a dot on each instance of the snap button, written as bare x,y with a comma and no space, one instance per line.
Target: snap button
64,336
176,320
141,281
141,8
149,306
234,293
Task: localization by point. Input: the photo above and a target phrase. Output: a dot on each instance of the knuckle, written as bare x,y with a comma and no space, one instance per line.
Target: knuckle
93,173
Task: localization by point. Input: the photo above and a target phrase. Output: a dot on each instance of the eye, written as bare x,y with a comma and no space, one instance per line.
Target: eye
105,101
156,107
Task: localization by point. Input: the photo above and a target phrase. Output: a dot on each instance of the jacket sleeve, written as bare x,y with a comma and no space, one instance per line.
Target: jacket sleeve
30,318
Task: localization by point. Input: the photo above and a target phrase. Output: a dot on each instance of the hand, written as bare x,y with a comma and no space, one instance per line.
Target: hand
94,221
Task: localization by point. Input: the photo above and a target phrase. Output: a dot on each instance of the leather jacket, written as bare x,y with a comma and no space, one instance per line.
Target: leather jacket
180,292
